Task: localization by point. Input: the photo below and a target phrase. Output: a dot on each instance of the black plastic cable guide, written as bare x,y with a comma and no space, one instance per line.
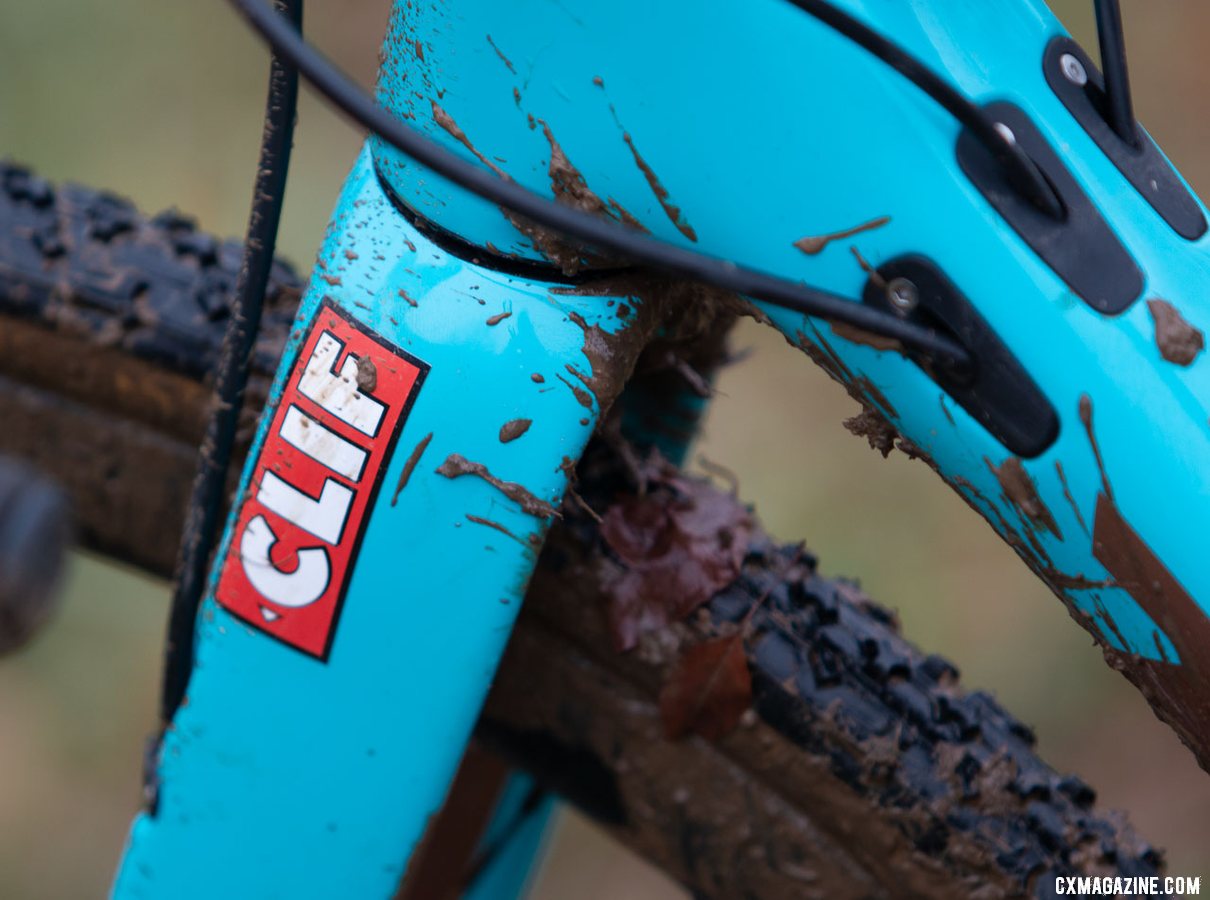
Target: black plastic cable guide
1078,83
997,391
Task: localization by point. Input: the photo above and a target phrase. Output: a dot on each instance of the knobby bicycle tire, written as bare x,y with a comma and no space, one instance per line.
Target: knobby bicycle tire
863,768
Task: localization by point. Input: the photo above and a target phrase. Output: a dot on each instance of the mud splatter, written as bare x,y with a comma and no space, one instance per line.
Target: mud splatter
873,273
1086,419
410,466
456,465
625,217
861,336
583,397
479,520
513,429
1022,492
873,426
1179,694
945,410
447,124
537,378
1179,342
868,390
367,375
500,53
1071,501
661,193
499,317
568,185
598,348
404,294
815,245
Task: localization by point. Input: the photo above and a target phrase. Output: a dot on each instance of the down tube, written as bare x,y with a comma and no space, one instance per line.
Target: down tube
415,448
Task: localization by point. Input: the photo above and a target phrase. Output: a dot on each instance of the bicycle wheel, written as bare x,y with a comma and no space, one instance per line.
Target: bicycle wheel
863,768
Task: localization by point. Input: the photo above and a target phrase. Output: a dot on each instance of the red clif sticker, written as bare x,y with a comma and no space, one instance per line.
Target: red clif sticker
302,517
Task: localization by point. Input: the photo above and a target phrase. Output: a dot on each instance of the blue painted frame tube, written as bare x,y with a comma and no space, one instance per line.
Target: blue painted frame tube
308,757
796,152
517,837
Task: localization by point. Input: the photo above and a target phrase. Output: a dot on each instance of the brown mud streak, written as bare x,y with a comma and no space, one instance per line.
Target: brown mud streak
1178,341
479,520
661,193
1022,492
949,416
1030,552
1086,419
456,465
599,348
513,429
569,187
583,397
410,466
875,275
860,336
872,422
567,183
815,245
1070,499
447,124
1179,694
500,53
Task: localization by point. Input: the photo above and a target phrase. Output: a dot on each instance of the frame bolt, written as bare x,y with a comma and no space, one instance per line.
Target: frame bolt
1073,70
902,295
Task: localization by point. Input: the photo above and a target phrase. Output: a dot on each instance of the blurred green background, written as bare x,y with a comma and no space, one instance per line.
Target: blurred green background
162,103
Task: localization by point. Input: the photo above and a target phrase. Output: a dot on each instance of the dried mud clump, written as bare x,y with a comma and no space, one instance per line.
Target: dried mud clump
1179,342
871,425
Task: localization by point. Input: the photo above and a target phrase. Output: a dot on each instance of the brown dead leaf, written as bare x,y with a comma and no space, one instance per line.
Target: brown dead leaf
708,689
679,544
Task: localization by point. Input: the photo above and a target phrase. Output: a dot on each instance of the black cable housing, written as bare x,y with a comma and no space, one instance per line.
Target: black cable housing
592,231
1119,107
1022,172
209,486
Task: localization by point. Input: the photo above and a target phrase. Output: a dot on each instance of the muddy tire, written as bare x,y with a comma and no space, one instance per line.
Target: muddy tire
863,769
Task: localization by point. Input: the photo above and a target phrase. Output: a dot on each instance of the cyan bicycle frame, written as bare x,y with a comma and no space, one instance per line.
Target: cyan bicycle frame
444,376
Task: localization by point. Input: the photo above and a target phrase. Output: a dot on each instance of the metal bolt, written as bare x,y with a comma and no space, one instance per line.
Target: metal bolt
902,295
1073,70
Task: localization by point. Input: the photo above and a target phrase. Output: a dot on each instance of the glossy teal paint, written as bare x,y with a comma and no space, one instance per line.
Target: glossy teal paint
764,127
517,837
283,776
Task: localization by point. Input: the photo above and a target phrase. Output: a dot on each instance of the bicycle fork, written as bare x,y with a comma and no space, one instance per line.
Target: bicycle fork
417,443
